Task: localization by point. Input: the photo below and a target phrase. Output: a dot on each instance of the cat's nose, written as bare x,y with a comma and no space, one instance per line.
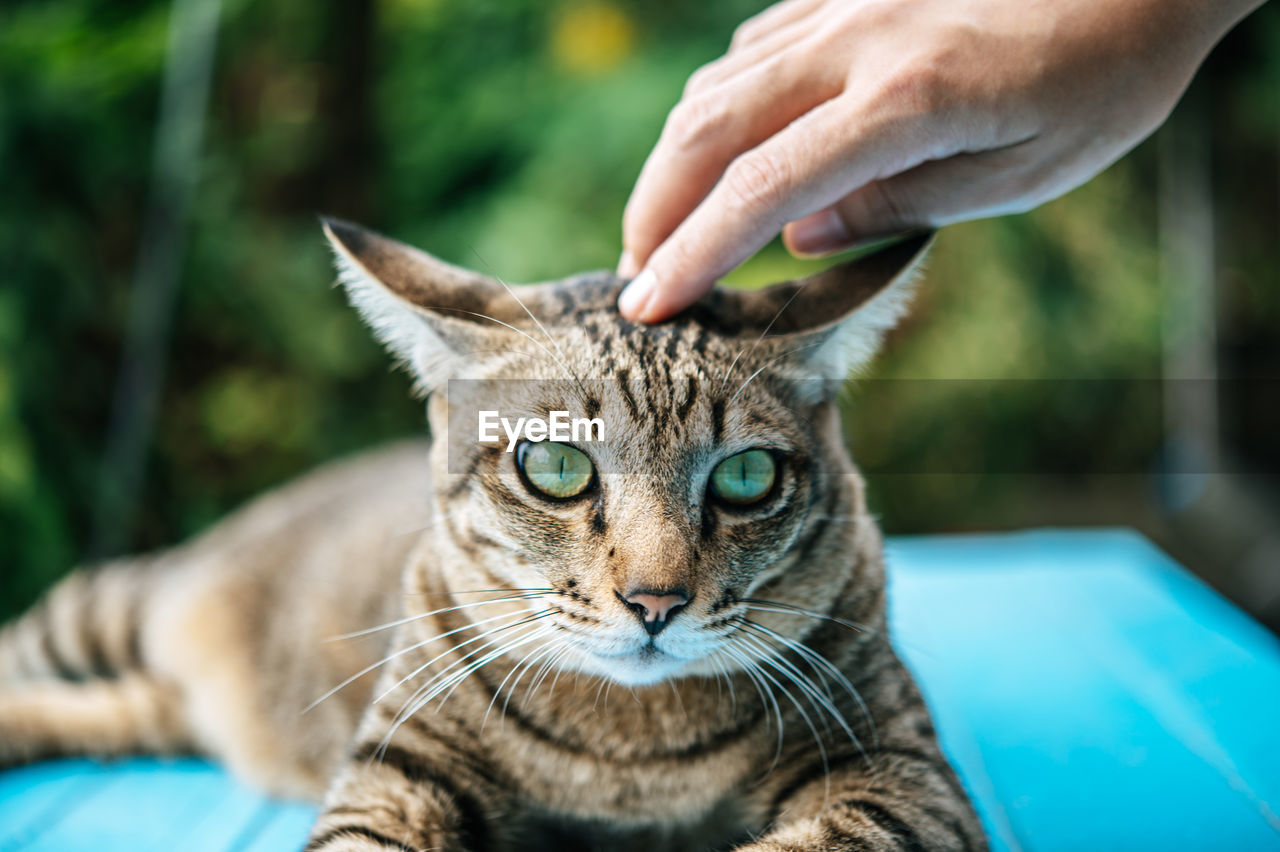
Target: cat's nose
655,608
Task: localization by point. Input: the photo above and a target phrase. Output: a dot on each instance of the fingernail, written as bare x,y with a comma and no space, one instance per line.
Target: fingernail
627,267
636,295
821,233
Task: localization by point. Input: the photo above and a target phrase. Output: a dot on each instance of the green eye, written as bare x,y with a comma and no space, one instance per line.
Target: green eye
557,470
744,478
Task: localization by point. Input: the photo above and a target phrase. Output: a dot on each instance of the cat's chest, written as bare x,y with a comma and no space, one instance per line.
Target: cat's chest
693,798
725,827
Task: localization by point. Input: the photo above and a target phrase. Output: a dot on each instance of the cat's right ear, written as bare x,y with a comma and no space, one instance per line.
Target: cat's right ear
429,314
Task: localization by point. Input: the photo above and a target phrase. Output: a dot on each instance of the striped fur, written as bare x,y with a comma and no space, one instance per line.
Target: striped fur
513,700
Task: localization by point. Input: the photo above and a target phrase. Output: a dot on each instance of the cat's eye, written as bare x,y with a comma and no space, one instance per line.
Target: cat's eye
556,470
744,478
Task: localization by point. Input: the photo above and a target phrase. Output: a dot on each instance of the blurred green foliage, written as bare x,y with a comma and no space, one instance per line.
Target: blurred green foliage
504,136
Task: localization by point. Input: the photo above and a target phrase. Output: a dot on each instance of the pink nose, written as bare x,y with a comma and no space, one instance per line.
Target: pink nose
655,609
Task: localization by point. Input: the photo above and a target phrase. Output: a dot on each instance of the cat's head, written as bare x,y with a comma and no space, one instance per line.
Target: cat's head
705,494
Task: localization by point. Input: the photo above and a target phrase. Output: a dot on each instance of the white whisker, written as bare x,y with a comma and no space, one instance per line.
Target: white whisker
769,658
764,333
768,364
522,619
767,699
821,664
425,694
410,618
397,654
536,322
788,609
523,667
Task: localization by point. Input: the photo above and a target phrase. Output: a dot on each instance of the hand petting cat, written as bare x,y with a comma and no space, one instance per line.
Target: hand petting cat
835,121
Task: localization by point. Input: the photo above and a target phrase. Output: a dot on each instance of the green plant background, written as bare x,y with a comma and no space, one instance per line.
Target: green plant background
506,136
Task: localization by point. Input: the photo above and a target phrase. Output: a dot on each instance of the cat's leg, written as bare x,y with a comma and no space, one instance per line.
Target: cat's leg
426,791
103,718
900,795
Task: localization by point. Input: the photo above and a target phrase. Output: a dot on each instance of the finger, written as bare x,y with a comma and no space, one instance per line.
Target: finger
732,64
703,135
940,192
779,15
809,165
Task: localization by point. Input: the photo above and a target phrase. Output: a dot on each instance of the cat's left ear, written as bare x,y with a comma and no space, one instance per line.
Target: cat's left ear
429,314
831,323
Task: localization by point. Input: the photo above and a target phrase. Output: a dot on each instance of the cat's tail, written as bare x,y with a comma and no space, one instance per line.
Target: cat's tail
87,626
73,678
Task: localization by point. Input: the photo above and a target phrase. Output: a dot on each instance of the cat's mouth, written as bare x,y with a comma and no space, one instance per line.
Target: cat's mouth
636,666
649,652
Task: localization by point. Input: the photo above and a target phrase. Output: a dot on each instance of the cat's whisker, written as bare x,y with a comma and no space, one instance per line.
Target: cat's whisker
457,671
790,609
558,648
458,677
800,649
769,363
767,699
766,331
595,707
522,619
770,658
551,665
766,695
523,667
417,701
411,618
679,699
537,665
536,321
522,333
398,654
719,686
545,590
821,664
568,649
826,702
771,654
724,380
723,673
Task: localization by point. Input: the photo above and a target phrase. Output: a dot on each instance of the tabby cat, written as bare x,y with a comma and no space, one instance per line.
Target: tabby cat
671,637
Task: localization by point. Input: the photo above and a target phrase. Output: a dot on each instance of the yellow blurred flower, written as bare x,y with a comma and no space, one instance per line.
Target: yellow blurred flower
591,37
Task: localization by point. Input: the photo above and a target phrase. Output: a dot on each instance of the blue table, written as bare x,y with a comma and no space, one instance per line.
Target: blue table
1092,694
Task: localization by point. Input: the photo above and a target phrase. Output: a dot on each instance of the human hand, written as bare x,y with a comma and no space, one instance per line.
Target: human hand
844,120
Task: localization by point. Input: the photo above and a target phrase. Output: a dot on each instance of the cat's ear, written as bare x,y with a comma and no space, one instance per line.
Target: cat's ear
832,323
429,314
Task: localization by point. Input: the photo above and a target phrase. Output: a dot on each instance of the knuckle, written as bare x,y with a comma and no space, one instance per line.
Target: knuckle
694,121
875,15
700,80
919,89
745,32
936,75
756,181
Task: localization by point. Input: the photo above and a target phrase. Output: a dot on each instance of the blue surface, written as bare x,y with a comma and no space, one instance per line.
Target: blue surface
1091,693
